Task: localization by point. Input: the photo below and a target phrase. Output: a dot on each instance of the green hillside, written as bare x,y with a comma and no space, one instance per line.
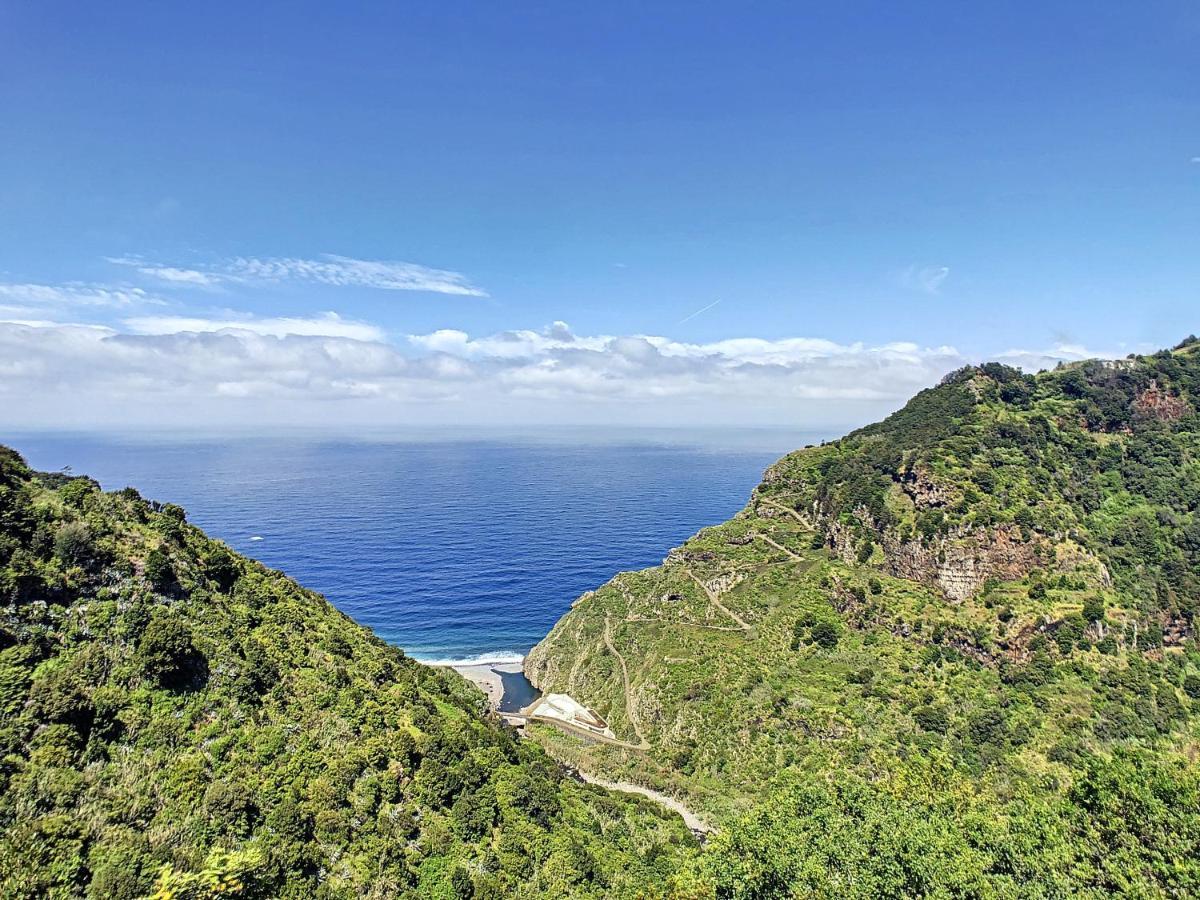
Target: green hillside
177,719
951,654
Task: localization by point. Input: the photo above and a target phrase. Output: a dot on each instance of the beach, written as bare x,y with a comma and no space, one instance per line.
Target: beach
490,678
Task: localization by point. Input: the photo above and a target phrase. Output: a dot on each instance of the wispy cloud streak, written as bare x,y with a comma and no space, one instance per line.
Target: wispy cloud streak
702,309
75,294
329,269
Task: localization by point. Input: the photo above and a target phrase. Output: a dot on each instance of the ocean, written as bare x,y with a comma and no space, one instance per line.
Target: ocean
463,549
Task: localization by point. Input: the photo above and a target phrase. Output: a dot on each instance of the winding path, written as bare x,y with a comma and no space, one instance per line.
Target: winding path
682,624
716,601
793,554
630,706
799,517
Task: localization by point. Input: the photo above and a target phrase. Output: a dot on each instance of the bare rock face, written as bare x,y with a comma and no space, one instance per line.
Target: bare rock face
723,584
1176,630
957,563
539,666
543,665
926,492
1155,404
679,555
776,472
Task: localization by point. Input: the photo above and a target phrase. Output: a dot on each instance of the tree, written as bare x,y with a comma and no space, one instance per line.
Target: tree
222,567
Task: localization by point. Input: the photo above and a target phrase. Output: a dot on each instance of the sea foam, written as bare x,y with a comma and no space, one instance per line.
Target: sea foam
497,658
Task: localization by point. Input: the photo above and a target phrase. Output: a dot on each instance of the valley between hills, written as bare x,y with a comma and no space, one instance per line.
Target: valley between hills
951,654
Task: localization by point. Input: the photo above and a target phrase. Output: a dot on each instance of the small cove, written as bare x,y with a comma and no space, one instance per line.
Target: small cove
518,692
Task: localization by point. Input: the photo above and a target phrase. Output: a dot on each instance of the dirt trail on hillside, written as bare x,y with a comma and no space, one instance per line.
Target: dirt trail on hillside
680,623
793,554
630,706
716,601
799,517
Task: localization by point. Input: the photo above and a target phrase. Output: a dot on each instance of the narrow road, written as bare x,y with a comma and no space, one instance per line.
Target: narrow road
522,719
690,819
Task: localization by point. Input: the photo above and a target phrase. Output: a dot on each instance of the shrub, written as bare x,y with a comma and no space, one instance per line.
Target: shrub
1191,686
224,874
930,718
986,726
73,545
159,571
1093,609
60,698
825,634
168,656
174,512
222,567
76,491
1069,633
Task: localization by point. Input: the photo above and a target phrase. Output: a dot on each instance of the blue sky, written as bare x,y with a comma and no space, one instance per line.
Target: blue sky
901,187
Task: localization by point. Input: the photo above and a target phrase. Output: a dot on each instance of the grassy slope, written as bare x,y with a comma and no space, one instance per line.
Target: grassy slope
1089,478
164,702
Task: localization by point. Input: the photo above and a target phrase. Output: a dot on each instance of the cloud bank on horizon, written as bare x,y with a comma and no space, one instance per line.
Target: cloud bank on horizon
205,370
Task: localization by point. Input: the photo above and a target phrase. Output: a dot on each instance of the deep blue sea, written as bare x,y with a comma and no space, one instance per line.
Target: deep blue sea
452,549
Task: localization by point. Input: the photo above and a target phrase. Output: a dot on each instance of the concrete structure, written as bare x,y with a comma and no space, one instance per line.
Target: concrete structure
563,708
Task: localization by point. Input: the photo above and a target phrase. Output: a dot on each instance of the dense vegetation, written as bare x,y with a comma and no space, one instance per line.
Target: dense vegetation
951,654
178,720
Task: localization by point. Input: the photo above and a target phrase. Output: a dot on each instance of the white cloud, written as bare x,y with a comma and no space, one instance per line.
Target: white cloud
328,324
76,294
341,373
172,274
1060,352
344,271
514,345
330,269
926,279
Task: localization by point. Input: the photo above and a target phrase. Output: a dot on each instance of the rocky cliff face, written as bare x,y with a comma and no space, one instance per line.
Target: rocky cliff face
1155,403
961,562
958,563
